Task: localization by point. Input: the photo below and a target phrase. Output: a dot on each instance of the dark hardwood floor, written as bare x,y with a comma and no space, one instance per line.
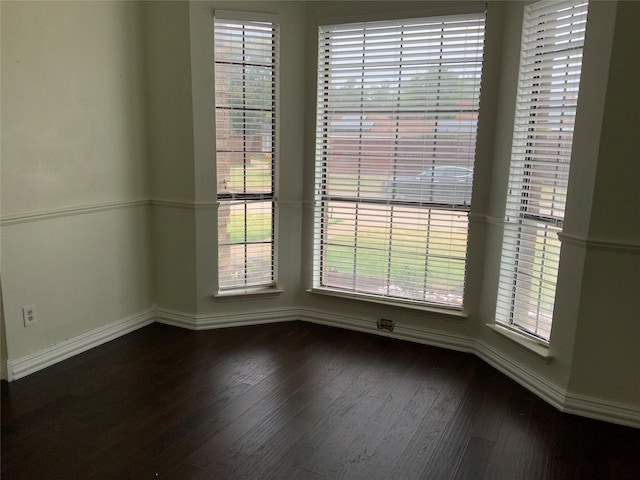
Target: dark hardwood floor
293,400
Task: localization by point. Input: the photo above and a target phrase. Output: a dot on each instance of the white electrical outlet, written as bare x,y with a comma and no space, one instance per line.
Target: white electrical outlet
29,315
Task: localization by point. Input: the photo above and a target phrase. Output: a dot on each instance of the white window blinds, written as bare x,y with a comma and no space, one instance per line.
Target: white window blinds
246,81
549,77
396,125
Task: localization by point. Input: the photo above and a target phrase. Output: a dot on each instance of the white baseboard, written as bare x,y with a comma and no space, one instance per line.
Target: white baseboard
176,319
20,367
548,391
582,405
599,409
208,322
533,382
437,339
333,320
558,397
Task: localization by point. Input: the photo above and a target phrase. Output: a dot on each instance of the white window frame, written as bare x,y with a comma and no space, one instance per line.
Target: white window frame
389,293
261,278
548,83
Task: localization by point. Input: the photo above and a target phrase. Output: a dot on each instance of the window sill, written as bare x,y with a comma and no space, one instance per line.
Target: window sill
243,293
530,345
452,313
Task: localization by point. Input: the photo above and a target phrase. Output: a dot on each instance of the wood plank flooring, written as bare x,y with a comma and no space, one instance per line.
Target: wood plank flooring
293,401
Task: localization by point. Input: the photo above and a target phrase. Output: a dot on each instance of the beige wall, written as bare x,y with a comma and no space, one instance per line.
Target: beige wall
72,105
171,153
74,164
607,358
112,102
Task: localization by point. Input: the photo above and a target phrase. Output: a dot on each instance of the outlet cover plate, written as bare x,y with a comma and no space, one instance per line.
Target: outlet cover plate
29,315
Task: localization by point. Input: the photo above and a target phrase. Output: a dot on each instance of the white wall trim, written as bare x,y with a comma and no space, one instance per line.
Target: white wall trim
589,243
173,204
203,322
602,410
176,319
459,343
290,204
488,219
212,205
597,244
341,321
185,205
23,366
208,322
65,212
551,393
533,382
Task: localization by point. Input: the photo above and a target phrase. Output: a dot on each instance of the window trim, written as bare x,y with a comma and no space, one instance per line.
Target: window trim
243,293
531,345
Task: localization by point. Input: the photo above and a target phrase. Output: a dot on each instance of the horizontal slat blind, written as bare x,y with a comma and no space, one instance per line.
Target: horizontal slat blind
549,78
395,145
246,80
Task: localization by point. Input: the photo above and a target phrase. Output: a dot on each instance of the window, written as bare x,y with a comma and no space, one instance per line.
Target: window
246,88
551,58
397,109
